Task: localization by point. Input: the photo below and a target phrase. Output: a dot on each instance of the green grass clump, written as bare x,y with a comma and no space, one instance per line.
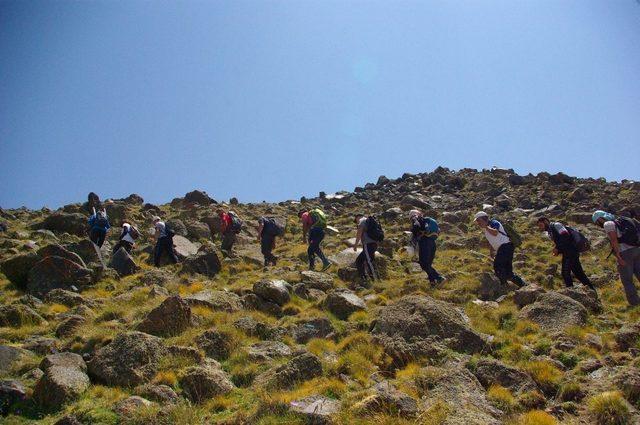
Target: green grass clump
609,408
536,417
502,398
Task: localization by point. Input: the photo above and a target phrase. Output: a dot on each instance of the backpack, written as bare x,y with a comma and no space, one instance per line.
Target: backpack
169,231
101,221
429,225
236,223
629,229
580,241
133,232
511,233
319,218
272,227
374,229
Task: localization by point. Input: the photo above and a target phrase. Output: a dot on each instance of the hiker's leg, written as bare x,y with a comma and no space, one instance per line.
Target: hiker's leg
626,277
568,261
579,273
128,246
423,254
93,236
636,263
431,250
157,252
103,236
168,247
320,237
228,238
500,264
116,247
370,256
361,264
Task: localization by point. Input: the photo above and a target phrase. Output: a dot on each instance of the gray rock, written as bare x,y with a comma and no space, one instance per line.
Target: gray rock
10,356
60,251
69,325
57,272
74,223
129,405
170,318
389,400
216,300
627,336
202,383
66,298
316,409
301,367
268,350
317,280
159,393
306,330
276,291
65,359
11,392
491,288
554,312
206,262
16,268
490,372
421,316
584,296
130,359
123,263
215,344
344,303
17,315
528,294
60,385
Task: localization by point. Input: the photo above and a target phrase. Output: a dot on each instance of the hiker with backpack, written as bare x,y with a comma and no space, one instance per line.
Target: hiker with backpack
230,226
98,227
164,242
369,233
425,231
502,244
127,238
569,243
268,230
624,238
314,223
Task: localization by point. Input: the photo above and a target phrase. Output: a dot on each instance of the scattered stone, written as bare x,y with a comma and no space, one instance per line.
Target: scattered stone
129,405
216,300
159,393
170,318
554,312
527,295
268,350
491,288
66,298
215,344
584,296
301,367
343,303
64,380
69,325
202,383
490,372
11,392
387,399
206,262
304,331
316,409
317,280
17,315
276,291
56,272
16,268
123,263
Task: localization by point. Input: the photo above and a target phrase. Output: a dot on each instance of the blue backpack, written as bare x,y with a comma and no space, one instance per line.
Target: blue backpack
429,225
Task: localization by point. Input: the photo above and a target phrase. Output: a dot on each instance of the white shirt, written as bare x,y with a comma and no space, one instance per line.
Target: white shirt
126,227
610,227
500,239
160,226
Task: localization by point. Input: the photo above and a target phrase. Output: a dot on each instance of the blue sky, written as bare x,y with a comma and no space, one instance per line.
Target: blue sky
272,100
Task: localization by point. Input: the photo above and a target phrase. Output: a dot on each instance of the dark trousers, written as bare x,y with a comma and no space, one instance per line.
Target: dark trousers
266,246
571,264
128,246
316,235
228,239
97,236
503,265
365,261
426,255
164,245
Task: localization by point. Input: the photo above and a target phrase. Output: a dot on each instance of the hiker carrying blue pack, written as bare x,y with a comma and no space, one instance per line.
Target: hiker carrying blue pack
425,231
624,238
98,227
314,223
230,226
569,243
501,248
164,242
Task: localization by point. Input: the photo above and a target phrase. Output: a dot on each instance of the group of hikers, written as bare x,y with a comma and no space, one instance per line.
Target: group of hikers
623,234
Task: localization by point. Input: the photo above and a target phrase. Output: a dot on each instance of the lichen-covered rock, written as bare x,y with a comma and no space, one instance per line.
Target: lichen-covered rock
170,318
528,294
554,312
64,380
276,291
56,272
130,359
17,315
215,344
490,372
202,383
123,263
343,303
301,367
16,268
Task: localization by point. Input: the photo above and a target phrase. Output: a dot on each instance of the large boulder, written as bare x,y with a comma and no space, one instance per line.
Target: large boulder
201,383
215,344
343,303
73,223
184,247
16,268
10,356
87,251
60,251
421,316
554,312
528,294
490,372
317,280
198,197
268,350
17,315
66,298
11,392
491,288
57,272
64,380
69,325
206,262
276,291
588,298
130,359
313,328
123,263
170,318
301,367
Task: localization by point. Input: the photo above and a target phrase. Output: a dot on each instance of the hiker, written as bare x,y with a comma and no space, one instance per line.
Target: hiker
230,226
98,227
127,238
624,238
268,231
93,201
164,242
501,247
313,223
567,243
369,233
425,231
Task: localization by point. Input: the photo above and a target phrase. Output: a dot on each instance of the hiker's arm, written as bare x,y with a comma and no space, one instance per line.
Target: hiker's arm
615,246
260,227
305,230
491,230
358,239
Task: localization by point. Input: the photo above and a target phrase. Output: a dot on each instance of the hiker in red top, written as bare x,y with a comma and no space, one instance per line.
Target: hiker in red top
230,226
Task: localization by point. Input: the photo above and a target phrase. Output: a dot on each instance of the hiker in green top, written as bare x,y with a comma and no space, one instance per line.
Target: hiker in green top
314,222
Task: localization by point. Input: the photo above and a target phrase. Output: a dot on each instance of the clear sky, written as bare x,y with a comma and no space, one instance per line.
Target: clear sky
272,100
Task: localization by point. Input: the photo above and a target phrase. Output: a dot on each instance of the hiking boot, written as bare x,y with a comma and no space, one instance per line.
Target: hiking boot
437,281
326,266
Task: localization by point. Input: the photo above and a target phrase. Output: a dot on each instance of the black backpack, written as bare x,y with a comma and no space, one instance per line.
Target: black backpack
101,221
236,223
629,230
169,231
580,241
272,227
374,229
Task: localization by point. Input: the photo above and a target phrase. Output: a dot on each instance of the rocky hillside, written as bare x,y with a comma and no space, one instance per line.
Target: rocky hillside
85,340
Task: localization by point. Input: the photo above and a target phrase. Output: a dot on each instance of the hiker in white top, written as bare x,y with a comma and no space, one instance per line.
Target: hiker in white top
624,238
127,238
501,248
164,243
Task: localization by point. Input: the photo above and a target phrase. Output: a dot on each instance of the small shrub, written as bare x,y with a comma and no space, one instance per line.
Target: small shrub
536,417
532,400
609,408
545,374
571,391
502,398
